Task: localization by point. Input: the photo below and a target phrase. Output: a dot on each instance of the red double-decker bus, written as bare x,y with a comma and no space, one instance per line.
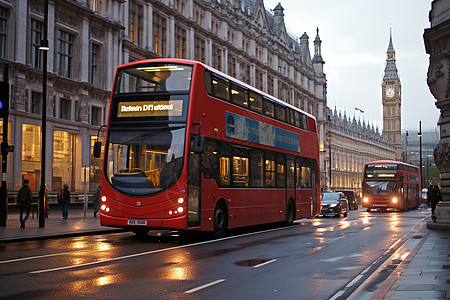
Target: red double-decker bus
191,148
391,184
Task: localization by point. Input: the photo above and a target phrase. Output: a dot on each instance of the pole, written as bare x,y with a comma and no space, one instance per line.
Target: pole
420,150
329,146
44,50
3,189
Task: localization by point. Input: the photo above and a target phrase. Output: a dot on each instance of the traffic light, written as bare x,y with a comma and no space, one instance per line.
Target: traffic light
4,99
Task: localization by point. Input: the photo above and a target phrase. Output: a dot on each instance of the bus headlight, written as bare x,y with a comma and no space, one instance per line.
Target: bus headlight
180,209
366,199
394,199
180,200
103,198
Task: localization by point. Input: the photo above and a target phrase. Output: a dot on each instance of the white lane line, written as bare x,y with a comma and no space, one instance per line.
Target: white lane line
34,257
334,259
338,294
150,252
204,286
265,263
355,280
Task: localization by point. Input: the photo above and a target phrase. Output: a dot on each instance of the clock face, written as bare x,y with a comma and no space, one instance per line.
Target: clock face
390,92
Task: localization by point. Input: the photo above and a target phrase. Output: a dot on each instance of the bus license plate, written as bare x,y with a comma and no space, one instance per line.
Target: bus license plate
137,222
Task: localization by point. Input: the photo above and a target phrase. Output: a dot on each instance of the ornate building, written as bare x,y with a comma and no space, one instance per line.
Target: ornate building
392,101
88,39
352,145
437,45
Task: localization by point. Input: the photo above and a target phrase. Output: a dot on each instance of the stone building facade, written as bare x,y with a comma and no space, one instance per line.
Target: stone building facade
437,45
353,143
88,39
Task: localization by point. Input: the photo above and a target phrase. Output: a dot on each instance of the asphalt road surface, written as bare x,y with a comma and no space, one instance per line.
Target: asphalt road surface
320,258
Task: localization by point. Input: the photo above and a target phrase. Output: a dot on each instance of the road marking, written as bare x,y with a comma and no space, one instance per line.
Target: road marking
204,286
265,263
36,257
151,252
334,259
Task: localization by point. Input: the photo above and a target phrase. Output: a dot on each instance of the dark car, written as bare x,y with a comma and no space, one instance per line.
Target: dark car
334,204
352,197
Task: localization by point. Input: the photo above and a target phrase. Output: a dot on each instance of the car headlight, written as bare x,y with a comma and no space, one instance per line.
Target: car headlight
366,199
394,199
333,205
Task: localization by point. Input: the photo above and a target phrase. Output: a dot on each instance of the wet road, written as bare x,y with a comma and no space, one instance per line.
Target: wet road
321,258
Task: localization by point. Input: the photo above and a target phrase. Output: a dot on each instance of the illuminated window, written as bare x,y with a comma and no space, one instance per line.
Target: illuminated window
240,171
31,154
224,171
64,146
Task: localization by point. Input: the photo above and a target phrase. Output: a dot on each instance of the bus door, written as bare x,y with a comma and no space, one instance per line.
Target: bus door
193,188
290,180
314,191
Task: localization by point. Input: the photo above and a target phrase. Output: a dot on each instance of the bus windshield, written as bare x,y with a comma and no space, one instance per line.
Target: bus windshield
148,78
379,187
145,162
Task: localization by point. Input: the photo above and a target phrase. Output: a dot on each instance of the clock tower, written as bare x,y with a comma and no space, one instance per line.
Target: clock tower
391,99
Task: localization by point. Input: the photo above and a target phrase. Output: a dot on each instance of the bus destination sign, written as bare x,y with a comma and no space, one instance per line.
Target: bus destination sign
150,109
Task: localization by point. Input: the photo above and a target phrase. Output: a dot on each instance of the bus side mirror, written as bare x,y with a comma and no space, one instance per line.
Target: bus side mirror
199,144
97,149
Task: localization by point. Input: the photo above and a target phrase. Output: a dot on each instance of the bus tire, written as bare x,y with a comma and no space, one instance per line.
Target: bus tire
220,220
141,232
290,213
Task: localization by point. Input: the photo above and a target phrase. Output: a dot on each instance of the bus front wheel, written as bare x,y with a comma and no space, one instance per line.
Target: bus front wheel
220,220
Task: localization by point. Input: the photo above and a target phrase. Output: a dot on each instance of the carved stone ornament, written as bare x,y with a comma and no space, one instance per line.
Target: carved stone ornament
439,76
441,156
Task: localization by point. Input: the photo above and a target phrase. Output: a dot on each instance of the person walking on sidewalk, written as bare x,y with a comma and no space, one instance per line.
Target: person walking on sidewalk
435,199
24,197
64,199
96,199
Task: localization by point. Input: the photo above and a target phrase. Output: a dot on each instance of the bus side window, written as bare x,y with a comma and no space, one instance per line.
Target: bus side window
268,108
280,113
281,171
239,96
221,88
255,101
208,82
256,168
269,167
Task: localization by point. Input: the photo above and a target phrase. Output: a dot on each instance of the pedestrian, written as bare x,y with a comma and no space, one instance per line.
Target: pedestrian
64,199
429,194
96,199
24,197
436,198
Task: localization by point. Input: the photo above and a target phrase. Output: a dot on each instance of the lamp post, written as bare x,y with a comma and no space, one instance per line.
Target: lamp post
44,49
329,145
420,153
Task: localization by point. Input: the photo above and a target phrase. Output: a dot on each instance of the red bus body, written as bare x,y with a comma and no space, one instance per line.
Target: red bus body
391,184
222,172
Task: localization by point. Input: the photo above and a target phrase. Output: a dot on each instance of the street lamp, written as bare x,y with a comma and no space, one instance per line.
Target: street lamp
420,150
44,50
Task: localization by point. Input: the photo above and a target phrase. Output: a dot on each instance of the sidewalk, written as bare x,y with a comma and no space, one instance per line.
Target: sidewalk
76,225
425,273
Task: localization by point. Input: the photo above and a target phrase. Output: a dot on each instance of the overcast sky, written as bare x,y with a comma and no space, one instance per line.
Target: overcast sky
355,37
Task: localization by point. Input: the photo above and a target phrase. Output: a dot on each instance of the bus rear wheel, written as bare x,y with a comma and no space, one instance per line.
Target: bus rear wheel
290,214
220,220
